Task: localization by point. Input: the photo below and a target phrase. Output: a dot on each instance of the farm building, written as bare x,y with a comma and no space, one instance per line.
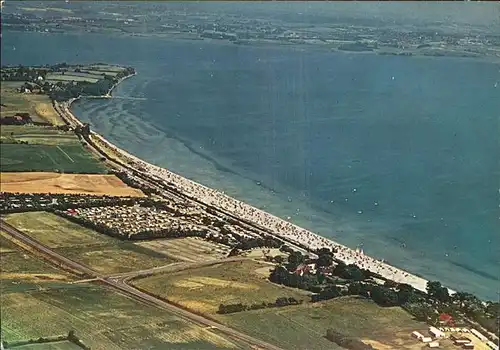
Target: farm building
462,341
468,346
426,339
417,335
436,333
433,344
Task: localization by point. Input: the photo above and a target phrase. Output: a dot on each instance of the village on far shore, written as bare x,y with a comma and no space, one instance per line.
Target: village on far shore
91,234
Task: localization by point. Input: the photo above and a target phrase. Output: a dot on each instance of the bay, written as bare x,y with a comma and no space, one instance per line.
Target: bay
398,155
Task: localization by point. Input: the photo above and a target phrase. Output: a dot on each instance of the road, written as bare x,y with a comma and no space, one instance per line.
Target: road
119,283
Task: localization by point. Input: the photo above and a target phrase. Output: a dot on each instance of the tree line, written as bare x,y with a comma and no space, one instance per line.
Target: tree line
280,302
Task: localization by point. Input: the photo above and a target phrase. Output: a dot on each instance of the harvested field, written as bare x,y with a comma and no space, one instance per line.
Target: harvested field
64,158
38,106
204,289
37,182
102,319
304,326
187,249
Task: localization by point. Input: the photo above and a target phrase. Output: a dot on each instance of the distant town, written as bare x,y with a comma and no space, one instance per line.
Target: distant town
342,35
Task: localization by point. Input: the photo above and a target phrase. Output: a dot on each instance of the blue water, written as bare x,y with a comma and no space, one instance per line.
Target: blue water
397,154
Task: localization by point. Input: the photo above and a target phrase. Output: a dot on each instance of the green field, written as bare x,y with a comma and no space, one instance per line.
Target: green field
55,231
102,319
103,253
51,77
304,326
105,68
116,258
22,272
62,158
37,135
204,289
38,106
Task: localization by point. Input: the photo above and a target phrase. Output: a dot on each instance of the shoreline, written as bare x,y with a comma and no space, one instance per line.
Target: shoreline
282,228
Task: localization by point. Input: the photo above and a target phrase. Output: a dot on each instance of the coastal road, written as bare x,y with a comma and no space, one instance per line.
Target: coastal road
120,285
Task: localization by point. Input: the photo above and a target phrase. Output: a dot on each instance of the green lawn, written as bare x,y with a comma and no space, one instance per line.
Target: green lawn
62,158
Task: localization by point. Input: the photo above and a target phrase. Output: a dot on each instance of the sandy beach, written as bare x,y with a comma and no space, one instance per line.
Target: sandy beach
280,227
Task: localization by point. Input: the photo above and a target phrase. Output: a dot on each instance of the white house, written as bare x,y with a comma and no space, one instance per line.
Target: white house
426,339
417,334
436,333
433,344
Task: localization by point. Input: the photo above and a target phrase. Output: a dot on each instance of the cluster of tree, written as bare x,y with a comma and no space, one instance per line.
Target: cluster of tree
428,306
21,73
280,275
346,342
66,91
245,243
351,272
83,130
280,302
147,190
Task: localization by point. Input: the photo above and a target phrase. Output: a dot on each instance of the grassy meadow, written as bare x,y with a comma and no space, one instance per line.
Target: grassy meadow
304,326
73,158
38,106
35,135
204,289
102,319
104,254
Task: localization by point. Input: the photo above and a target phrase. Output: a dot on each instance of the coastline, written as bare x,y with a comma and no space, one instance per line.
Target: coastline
281,227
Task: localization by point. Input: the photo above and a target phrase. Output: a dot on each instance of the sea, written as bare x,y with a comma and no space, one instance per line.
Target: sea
399,156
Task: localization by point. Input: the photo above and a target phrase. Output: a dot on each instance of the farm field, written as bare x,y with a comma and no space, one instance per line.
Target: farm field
105,68
37,135
55,77
64,158
304,326
102,319
116,258
187,249
55,231
102,253
204,289
46,182
38,106
23,272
